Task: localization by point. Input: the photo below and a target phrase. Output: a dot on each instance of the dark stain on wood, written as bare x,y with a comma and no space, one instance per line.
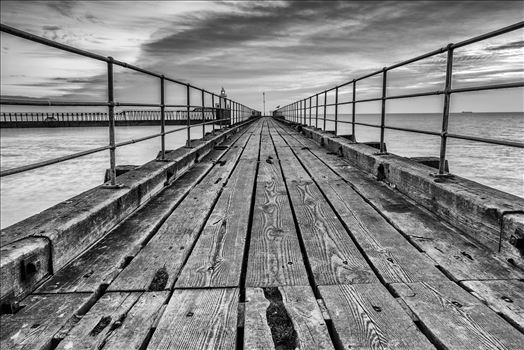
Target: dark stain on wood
160,280
103,323
282,329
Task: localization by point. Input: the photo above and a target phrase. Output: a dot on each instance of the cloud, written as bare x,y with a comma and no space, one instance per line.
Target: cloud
293,48
65,8
509,46
51,28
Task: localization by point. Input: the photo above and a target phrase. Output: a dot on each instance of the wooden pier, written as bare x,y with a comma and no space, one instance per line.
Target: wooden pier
272,241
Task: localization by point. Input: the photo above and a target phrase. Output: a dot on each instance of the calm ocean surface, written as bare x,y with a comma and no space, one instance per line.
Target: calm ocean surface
25,194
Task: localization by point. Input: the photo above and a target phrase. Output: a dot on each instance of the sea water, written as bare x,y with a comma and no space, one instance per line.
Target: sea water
26,194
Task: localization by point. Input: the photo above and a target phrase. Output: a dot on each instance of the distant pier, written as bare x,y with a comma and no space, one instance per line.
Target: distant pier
124,118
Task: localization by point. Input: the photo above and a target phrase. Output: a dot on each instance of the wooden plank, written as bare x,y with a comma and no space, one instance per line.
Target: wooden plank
286,317
366,316
457,320
138,322
198,319
461,256
504,296
390,253
101,263
119,320
158,264
332,255
41,318
274,254
216,260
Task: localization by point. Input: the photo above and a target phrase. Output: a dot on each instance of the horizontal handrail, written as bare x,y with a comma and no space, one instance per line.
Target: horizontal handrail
297,111
235,112
42,164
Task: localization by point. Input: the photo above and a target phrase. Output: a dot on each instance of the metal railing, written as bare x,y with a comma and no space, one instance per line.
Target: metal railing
235,111
297,111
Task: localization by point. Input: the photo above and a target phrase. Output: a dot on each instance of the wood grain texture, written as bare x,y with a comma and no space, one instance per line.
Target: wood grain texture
390,253
456,319
274,255
461,256
458,254
138,322
38,322
300,305
216,260
198,319
504,296
395,259
158,264
366,316
332,255
119,320
101,263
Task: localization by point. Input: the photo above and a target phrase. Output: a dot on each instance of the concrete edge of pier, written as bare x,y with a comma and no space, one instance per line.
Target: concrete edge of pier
35,247
493,217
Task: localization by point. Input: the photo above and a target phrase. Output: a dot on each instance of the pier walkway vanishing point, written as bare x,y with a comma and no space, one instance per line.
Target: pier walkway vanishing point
274,241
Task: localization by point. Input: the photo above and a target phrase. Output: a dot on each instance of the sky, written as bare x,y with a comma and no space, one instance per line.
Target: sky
287,49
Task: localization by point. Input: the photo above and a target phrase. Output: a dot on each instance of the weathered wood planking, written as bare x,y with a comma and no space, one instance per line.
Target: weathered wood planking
275,258
101,263
37,323
461,256
198,319
121,320
504,296
284,316
332,255
390,253
216,260
366,316
157,265
456,319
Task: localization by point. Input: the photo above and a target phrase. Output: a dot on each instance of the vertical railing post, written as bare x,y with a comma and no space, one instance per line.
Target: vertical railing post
227,113
383,111
213,111
188,109
353,112
316,111
336,111
222,113
203,115
445,114
299,105
310,110
111,113
162,119
325,106
305,112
